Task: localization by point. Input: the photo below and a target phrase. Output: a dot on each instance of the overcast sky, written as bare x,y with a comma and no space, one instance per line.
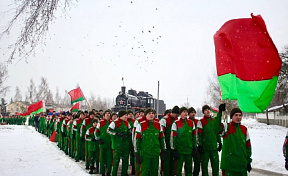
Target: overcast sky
96,43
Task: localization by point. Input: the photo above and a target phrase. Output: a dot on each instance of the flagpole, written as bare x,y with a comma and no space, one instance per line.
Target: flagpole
86,100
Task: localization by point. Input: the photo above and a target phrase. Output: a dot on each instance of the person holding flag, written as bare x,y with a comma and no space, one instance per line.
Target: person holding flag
236,154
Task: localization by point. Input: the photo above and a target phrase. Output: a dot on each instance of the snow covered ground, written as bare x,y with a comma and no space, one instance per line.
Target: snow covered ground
23,151
267,142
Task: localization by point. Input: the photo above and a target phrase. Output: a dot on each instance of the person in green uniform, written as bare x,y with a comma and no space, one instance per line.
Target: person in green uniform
131,121
71,137
86,124
236,155
120,131
183,133
196,157
106,154
166,123
208,140
148,143
80,153
92,143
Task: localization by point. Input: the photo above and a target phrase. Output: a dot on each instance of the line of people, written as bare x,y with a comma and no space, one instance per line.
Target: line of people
178,140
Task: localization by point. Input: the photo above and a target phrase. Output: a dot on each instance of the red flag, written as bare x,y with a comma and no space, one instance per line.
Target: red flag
53,136
37,107
76,95
75,107
248,63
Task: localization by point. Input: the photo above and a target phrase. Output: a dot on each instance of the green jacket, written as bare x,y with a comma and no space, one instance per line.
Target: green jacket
236,150
116,127
149,139
207,137
183,133
101,133
166,124
76,127
91,138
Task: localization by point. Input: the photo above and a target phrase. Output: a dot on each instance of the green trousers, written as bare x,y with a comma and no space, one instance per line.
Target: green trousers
231,173
66,143
196,161
72,147
169,164
94,158
187,159
149,166
106,156
213,156
123,154
80,150
87,156
132,157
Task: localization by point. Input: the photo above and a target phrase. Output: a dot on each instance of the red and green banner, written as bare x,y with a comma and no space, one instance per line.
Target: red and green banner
75,107
76,95
37,107
248,63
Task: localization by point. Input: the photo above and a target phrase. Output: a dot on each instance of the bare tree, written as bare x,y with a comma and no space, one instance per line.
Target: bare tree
66,100
43,90
281,93
31,92
92,100
18,95
3,76
57,99
38,16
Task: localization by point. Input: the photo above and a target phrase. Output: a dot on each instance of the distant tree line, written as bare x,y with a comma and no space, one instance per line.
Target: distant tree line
35,93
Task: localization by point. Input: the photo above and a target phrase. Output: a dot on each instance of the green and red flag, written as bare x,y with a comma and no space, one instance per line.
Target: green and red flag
248,63
37,107
75,107
76,95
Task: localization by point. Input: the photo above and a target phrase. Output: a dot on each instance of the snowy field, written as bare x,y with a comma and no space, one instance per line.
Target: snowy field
26,152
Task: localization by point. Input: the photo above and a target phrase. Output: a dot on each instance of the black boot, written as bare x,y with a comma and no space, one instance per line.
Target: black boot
87,167
91,169
97,169
103,174
108,174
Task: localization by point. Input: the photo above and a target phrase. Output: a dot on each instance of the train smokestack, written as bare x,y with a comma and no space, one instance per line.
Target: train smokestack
123,89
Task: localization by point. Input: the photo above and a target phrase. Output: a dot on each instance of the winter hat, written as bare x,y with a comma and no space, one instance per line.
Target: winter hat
167,112
108,110
191,110
113,114
205,107
149,110
175,110
142,110
233,111
183,109
129,111
121,113
91,112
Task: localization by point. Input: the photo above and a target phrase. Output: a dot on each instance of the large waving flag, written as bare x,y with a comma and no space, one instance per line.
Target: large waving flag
248,63
76,95
75,107
37,107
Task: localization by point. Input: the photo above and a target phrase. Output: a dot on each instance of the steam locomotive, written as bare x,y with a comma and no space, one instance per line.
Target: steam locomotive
136,101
